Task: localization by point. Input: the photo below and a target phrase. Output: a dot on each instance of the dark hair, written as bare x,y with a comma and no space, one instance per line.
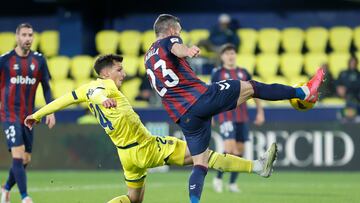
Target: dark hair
23,25
163,22
227,47
105,61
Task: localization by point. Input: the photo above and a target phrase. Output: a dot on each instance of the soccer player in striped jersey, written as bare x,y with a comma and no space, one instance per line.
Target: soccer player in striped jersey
21,70
233,124
191,103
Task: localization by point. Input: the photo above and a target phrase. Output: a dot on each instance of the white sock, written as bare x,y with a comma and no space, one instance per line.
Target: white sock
306,91
257,167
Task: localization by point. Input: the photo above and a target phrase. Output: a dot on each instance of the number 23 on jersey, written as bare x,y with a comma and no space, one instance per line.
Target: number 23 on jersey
165,72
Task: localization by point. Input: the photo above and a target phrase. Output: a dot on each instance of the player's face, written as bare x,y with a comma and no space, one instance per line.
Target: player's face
117,73
24,38
176,30
229,58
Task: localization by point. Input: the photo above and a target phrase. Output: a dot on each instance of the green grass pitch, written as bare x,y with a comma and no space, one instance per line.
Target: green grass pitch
282,187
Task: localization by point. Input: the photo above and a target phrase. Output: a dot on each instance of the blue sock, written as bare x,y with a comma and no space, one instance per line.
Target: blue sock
196,183
275,92
219,174
18,170
10,181
233,177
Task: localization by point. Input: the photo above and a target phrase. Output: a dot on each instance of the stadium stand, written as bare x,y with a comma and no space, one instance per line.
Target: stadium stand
292,40
106,41
50,42
130,42
59,67
7,41
266,45
248,40
316,39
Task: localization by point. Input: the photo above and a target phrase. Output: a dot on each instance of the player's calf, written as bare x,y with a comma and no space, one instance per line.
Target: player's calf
230,163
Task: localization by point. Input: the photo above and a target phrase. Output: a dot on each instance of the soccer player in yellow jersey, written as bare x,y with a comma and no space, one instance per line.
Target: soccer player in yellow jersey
137,148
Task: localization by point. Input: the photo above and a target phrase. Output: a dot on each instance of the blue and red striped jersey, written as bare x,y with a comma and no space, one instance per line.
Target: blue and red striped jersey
240,113
172,77
19,78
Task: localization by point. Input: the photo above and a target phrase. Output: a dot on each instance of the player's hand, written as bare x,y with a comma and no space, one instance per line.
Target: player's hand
30,122
50,120
193,51
109,103
260,119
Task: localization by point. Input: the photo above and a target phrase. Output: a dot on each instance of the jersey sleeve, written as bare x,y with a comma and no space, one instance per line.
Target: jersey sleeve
248,75
170,41
60,103
45,77
215,75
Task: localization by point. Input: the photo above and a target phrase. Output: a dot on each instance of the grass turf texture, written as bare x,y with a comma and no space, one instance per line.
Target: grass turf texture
100,186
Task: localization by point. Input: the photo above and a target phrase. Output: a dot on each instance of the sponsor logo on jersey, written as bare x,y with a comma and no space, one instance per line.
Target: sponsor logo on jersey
23,80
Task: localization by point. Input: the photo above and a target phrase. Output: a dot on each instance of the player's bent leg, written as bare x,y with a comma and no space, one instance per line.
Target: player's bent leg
246,92
181,155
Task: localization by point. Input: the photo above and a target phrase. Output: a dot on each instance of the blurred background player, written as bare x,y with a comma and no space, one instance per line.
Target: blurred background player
221,33
191,103
348,87
234,127
21,71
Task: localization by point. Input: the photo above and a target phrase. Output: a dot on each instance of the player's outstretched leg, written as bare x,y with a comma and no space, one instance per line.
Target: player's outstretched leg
274,92
230,163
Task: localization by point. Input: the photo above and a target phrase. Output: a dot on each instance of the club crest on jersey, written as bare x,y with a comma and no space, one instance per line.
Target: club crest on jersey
227,76
16,66
32,67
240,75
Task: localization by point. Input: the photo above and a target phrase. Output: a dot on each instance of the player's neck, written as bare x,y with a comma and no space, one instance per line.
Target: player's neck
229,67
162,36
21,52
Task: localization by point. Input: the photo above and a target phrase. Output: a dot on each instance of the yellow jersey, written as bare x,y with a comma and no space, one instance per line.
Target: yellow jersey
121,123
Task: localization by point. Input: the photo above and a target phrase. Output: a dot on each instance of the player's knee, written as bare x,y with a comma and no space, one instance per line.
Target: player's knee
135,198
246,91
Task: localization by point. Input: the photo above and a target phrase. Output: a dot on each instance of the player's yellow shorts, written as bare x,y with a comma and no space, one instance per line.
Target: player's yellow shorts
156,151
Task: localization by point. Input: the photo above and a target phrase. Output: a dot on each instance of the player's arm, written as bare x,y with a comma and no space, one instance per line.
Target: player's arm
260,115
175,46
181,51
50,119
52,107
100,96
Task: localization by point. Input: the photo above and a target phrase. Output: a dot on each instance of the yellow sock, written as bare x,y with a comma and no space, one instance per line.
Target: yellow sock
120,199
229,163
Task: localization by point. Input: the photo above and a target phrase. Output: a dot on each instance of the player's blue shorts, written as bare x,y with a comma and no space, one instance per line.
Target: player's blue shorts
196,122
18,134
234,130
